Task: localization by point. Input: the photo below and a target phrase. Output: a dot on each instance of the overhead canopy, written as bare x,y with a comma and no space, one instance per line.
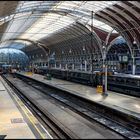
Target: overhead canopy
44,20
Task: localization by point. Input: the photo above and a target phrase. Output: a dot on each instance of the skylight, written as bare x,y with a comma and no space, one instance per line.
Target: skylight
34,21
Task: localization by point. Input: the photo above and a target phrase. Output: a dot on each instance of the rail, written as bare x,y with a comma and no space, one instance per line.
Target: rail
126,125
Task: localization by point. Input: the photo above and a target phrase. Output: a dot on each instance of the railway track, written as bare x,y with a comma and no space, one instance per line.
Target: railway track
43,118
94,112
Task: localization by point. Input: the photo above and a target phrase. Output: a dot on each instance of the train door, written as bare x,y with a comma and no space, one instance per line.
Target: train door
123,59
123,67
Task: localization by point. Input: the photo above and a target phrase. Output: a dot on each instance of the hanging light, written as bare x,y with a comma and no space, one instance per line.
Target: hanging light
134,42
83,48
70,51
103,47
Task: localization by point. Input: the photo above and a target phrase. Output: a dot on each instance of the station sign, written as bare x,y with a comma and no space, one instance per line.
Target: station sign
123,59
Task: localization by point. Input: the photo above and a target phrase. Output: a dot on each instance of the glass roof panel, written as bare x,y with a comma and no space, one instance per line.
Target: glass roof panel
36,25
26,5
47,25
9,43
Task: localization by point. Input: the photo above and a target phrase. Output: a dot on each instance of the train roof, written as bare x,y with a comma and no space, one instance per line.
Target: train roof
75,71
127,75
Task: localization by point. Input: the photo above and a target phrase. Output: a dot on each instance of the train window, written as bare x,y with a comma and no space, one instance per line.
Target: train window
138,67
137,82
131,82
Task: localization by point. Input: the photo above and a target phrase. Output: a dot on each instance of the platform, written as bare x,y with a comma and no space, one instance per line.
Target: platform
16,121
121,102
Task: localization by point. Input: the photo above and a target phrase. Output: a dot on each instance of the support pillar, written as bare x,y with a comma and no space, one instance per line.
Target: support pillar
48,64
72,66
60,66
104,78
85,65
55,65
134,67
81,66
90,67
66,66
33,67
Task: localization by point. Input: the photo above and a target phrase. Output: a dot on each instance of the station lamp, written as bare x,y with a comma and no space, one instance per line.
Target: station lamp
83,48
104,47
70,51
134,42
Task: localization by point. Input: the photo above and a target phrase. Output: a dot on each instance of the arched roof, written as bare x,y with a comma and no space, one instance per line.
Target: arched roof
53,22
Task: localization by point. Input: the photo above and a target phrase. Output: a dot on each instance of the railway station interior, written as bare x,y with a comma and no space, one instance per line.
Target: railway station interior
69,70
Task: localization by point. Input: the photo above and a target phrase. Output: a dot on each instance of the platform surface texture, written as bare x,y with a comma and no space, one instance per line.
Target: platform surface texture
13,124
115,100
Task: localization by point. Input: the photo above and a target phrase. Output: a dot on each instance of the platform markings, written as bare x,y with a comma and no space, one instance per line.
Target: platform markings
17,120
41,125
23,108
28,114
32,119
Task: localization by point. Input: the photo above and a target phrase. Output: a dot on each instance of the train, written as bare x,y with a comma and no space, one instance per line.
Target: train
123,83
4,69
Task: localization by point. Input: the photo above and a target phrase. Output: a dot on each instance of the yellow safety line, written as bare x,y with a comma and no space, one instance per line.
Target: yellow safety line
16,98
29,118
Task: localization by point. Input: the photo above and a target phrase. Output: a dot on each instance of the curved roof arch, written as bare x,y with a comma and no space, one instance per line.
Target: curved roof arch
34,44
72,8
24,17
128,13
75,30
115,41
63,37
